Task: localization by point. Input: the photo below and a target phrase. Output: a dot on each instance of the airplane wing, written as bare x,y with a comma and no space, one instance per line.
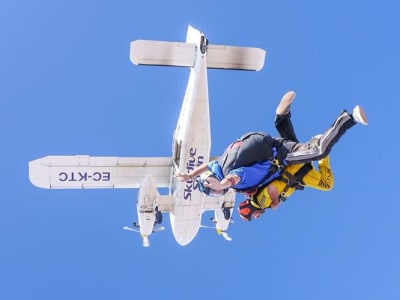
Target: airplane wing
83,171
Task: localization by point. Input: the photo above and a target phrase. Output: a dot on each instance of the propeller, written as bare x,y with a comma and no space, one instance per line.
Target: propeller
155,229
219,232
130,229
145,238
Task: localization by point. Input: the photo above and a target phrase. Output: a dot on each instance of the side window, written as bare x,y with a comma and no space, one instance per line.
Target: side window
176,154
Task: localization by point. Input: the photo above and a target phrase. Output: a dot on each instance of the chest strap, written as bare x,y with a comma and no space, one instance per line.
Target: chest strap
274,173
295,180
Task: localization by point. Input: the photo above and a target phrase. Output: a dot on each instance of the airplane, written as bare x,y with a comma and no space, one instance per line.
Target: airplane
191,146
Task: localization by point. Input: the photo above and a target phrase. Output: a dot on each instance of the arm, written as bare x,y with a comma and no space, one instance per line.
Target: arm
322,180
229,181
197,171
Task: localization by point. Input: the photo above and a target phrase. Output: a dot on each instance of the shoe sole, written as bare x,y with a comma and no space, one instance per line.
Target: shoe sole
363,116
284,106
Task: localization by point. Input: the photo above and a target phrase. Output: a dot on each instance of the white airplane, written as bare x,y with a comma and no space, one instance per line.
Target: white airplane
191,146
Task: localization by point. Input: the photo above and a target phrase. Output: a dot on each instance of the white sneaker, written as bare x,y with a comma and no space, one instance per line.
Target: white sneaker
284,106
359,115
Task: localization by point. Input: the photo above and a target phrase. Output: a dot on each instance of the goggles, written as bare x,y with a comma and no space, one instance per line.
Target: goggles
249,211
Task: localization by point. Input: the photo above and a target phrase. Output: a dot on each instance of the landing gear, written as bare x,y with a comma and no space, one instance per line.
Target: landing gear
227,212
158,219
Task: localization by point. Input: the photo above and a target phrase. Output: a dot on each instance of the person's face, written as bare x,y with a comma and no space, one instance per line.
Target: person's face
209,182
256,214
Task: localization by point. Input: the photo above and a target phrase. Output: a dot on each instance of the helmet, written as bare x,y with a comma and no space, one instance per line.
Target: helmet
206,190
254,206
249,210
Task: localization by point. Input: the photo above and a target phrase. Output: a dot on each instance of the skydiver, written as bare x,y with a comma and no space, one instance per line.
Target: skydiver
257,158
277,191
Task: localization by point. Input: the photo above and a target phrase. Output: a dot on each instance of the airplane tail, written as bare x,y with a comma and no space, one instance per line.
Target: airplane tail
160,53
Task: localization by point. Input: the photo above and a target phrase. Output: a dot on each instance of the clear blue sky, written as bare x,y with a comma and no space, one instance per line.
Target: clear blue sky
67,87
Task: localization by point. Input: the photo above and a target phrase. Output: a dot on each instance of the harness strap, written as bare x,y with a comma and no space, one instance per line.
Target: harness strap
273,173
295,180
255,204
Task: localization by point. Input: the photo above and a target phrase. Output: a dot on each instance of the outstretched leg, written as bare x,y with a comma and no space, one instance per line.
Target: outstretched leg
284,106
320,146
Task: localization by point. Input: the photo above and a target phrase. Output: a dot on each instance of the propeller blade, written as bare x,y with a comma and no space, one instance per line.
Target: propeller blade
158,229
130,229
226,236
209,227
223,233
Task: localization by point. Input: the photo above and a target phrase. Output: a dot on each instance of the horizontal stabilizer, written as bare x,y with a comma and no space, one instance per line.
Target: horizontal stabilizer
159,53
82,171
237,58
147,52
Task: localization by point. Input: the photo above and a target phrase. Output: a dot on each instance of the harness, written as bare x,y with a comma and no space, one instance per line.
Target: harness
295,180
247,150
275,172
291,181
251,148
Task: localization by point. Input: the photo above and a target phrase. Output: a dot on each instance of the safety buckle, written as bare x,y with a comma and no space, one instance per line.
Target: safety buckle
278,164
282,197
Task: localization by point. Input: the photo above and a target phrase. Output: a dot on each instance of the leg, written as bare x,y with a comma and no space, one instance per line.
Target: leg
284,126
283,123
284,106
320,146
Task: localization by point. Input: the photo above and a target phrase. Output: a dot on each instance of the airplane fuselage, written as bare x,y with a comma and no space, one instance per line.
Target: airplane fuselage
191,146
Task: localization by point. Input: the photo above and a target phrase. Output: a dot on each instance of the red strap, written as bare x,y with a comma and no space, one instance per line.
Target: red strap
235,145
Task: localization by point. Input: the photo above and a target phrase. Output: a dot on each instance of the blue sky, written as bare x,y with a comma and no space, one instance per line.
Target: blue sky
68,87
